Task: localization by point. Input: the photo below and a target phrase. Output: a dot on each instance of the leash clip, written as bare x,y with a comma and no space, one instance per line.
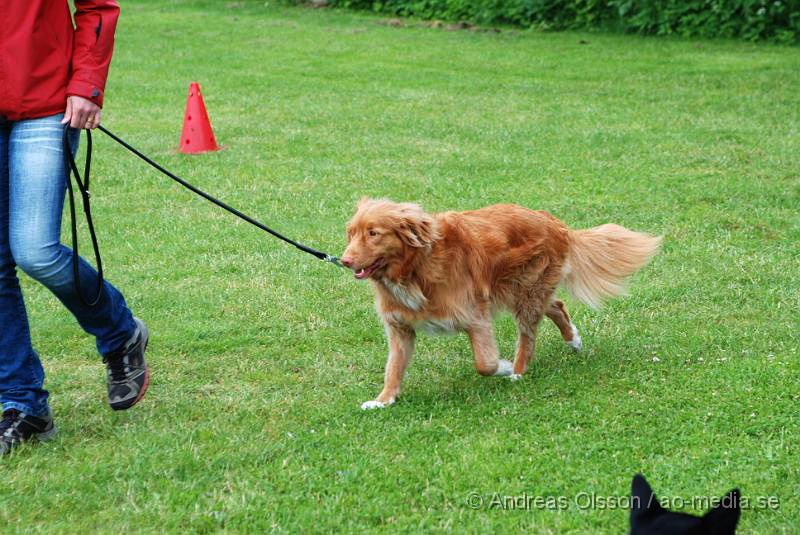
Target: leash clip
333,260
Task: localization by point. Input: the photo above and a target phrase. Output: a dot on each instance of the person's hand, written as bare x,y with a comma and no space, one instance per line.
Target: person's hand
81,113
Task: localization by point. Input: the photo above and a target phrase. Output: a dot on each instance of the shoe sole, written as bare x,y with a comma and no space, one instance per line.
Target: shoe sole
144,386
146,373
47,435
38,437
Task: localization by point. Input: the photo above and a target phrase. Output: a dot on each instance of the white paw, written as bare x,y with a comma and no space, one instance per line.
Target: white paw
515,376
575,343
375,404
504,368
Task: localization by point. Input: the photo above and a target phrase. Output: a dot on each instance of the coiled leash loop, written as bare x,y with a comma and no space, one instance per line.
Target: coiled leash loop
83,186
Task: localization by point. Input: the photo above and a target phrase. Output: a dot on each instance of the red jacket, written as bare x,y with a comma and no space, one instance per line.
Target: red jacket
43,59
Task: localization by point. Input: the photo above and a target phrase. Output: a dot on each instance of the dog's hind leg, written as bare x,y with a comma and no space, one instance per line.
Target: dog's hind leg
558,313
527,318
401,348
531,300
526,345
484,347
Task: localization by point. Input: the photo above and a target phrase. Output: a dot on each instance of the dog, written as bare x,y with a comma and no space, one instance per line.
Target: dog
648,517
452,271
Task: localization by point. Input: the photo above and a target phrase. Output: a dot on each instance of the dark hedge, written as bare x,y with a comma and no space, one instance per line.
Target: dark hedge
754,20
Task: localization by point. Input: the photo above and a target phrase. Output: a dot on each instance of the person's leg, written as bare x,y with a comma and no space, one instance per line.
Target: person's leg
37,179
21,373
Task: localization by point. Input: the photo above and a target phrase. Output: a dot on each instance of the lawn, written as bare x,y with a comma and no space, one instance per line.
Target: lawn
261,355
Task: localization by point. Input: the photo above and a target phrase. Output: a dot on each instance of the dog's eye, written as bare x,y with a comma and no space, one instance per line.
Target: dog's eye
372,233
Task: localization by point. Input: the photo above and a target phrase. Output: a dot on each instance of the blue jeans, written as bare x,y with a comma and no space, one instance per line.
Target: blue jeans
32,188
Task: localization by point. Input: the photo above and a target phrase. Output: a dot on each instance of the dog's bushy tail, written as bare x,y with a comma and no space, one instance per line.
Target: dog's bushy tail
600,259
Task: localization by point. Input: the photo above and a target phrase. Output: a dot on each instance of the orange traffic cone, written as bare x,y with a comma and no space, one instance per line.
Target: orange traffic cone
196,135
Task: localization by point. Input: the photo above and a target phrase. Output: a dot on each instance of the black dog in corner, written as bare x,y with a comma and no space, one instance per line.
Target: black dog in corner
649,518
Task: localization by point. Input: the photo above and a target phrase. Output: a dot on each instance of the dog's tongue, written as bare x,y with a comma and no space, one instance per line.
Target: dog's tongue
364,272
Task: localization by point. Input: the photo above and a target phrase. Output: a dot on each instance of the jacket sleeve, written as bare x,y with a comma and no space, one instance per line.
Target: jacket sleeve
93,44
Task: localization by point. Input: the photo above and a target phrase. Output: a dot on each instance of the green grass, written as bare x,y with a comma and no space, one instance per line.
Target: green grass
261,354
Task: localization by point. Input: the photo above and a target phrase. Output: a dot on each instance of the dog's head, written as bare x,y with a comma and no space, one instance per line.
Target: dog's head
384,234
648,517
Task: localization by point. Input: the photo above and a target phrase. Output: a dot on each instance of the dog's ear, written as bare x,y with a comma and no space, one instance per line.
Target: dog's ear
415,227
361,202
643,500
722,519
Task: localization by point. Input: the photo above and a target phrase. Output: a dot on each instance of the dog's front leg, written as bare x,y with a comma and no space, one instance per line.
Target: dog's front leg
401,348
484,347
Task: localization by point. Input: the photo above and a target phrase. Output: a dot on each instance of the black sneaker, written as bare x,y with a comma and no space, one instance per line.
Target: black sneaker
128,374
17,427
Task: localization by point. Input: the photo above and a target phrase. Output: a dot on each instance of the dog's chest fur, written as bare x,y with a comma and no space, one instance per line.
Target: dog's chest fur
435,326
411,297
408,296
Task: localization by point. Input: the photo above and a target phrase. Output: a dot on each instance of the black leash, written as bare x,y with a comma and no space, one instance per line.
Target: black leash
83,186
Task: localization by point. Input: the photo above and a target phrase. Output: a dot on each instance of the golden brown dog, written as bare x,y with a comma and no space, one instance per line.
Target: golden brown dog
452,271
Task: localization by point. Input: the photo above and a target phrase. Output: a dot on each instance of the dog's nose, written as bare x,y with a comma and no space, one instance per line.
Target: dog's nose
346,261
